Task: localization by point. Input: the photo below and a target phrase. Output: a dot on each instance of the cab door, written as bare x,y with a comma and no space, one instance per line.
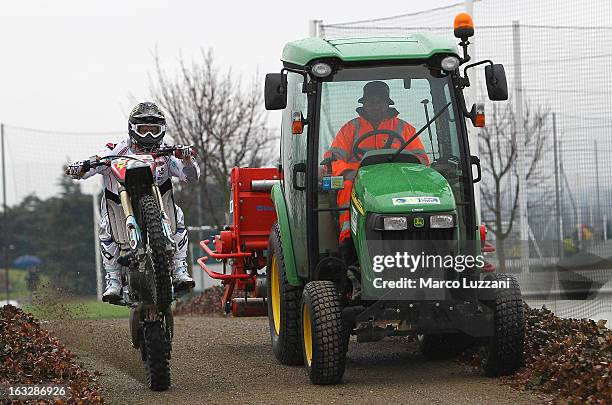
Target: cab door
293,159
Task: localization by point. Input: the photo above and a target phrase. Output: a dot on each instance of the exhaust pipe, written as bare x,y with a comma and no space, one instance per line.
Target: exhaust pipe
249,307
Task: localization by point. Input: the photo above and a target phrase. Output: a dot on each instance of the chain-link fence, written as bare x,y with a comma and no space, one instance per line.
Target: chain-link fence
557,57
35,159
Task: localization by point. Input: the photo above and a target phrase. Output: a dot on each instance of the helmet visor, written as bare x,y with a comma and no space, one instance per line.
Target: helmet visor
143,130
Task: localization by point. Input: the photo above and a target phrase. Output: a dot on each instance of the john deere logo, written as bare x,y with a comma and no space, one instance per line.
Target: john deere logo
419,222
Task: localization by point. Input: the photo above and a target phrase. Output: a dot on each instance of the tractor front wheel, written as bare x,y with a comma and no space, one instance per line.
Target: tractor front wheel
283,302
323,340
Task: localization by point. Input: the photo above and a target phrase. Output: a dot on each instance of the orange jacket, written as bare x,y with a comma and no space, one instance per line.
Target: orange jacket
341,150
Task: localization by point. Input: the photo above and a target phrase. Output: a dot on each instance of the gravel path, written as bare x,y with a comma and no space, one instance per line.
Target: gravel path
220,360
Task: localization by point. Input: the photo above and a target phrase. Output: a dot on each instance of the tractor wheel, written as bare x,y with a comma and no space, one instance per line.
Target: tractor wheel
323,338
443,346
504,352
283,303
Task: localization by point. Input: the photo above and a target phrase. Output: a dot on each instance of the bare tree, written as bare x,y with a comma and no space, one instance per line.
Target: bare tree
499,151
225,121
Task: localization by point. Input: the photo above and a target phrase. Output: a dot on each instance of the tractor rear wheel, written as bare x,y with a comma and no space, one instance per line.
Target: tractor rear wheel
283,303
504,351
323,340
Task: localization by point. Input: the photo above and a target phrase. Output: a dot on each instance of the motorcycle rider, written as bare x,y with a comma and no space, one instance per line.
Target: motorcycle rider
146,129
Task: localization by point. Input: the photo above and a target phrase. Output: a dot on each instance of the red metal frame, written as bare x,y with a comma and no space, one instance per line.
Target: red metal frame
486,247
243,243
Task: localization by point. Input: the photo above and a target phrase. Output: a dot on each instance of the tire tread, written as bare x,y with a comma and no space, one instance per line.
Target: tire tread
162,294
287,347
156,357
505,350
330,343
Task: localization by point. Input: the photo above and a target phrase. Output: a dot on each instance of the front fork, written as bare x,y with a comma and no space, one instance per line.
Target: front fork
133,230
165,220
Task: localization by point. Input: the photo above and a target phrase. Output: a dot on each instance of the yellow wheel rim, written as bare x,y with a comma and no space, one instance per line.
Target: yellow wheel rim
275,292
307,330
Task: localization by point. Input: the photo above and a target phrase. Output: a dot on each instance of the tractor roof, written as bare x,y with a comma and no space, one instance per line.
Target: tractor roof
414,46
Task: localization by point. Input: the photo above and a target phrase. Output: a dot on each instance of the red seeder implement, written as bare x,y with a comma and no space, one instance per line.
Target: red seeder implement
243,243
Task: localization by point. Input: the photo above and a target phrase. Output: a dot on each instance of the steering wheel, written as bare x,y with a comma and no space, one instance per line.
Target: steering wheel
358,152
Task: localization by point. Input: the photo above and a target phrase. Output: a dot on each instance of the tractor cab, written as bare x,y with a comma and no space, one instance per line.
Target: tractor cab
412,159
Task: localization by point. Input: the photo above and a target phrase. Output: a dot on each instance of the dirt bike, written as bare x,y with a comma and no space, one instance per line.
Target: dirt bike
141,226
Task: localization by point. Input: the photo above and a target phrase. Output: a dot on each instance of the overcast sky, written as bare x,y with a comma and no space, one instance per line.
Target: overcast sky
71,65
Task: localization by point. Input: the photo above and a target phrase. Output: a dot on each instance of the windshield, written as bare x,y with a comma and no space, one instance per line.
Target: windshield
395,100
366,109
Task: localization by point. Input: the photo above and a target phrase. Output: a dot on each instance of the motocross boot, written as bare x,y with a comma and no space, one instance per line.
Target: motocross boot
181,279
112,293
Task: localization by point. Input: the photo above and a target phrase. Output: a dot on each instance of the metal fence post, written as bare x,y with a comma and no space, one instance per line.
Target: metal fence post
520,143
5,216
96,223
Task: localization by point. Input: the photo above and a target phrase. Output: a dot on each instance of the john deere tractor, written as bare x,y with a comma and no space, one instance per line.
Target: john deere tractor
405,267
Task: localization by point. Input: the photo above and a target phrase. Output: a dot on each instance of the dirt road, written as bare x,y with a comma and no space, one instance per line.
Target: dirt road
226,360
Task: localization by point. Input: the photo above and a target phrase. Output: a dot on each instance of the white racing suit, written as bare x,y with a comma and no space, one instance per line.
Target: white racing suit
173,167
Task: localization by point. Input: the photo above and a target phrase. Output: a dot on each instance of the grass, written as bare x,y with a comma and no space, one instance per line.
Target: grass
87,308
17,282
48,303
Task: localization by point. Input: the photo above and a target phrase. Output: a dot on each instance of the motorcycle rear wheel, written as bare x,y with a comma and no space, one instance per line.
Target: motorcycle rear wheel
155,350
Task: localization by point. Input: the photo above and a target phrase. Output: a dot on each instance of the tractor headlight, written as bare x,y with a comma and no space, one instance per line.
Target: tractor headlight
450,63
441,221
321,69
395,223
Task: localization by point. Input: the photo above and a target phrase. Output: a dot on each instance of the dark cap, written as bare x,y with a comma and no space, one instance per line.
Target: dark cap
376,89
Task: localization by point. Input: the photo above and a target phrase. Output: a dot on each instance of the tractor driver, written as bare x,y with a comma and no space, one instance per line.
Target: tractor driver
376,114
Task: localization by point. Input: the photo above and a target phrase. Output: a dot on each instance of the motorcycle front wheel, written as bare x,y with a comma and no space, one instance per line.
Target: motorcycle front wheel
160,283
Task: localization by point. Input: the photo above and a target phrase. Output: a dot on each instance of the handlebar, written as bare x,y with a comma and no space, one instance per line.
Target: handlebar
87,165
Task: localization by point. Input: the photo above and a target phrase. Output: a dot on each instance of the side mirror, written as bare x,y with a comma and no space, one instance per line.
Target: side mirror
497,87
275,91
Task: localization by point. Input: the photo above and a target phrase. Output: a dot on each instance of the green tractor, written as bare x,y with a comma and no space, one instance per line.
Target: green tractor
365,192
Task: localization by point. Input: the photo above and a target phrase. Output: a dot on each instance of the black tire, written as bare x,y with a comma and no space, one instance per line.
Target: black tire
504,351
161,285
443,346
286,340
321,309
155,356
